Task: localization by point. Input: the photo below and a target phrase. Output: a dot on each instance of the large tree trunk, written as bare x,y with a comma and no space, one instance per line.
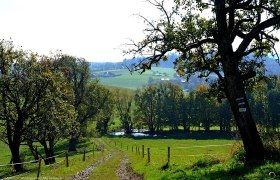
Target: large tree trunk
15,156
235,92
51,149
14,143
33,150
47,152
72,144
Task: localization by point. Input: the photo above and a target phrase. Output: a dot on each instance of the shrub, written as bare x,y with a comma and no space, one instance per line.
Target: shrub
271,142
238,153
205,162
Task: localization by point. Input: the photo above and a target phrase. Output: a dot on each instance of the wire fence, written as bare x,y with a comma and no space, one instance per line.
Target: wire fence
65,160
136,149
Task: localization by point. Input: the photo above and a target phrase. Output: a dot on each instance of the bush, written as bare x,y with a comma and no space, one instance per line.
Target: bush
205,162
271,143
238,153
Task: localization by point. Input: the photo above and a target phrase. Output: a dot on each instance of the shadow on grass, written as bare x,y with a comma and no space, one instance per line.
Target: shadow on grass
225,171
198,135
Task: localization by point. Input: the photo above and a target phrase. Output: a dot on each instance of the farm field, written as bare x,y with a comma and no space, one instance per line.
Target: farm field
134,80
197,157
183,153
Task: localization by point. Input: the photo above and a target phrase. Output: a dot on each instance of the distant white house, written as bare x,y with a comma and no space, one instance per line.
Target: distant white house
165,79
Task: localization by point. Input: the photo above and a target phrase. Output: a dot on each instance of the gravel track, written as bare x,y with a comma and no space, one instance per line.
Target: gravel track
125,172
85,174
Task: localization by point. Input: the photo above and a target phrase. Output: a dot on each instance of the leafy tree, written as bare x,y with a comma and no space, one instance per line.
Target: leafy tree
145,105
56,117
99,105
205,104
159,105
24,85
224,116
172,94
204,33
124,109
274,106
76,73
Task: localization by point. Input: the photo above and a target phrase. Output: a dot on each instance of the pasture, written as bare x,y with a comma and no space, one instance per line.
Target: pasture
134,80
183,153
196,156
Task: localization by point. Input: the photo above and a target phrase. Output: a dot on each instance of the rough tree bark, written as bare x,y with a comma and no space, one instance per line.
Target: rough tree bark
234,89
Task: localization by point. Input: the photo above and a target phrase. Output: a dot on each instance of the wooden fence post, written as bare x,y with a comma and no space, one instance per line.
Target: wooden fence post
39,168
84,156
143,151
168,155
148,155
66,159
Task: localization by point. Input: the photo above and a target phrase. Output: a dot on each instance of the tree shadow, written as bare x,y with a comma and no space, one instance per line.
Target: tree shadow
197,135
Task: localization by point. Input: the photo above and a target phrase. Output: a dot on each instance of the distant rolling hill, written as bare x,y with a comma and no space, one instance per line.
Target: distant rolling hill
117,74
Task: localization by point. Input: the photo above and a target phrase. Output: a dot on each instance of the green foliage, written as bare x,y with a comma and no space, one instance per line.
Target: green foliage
205,162
158,105
271,141
124,109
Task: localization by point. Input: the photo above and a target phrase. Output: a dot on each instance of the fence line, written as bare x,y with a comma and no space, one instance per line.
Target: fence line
3,165
86,150
53,156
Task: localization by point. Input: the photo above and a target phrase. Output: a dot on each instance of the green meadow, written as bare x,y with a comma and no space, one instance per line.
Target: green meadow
196,156
134,80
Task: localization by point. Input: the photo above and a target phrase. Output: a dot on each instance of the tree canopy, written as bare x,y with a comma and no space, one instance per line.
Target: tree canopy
205,33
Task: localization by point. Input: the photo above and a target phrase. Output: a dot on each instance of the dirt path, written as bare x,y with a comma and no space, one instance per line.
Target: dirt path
125,172
85,174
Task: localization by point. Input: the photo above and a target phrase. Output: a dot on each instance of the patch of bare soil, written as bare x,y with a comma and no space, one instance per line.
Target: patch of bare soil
85,174
125,172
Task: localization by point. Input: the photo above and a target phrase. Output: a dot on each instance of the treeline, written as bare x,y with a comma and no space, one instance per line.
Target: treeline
44,99
164,106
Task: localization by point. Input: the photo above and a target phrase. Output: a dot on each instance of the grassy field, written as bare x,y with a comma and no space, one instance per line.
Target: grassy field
183,153
135,80
205,157
58,170
195,156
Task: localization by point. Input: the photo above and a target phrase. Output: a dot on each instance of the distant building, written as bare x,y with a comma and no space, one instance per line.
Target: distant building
109,74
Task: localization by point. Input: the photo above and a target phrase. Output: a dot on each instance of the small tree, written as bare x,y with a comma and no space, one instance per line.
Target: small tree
124,109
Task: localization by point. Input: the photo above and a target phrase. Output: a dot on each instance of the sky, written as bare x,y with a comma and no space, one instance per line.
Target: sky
92,29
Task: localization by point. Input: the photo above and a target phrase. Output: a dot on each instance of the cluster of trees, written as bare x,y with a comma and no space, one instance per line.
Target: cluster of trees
205,33
45,99
165,105
265,102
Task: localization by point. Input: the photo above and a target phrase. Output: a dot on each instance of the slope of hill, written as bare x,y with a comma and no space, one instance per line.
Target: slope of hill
118,75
